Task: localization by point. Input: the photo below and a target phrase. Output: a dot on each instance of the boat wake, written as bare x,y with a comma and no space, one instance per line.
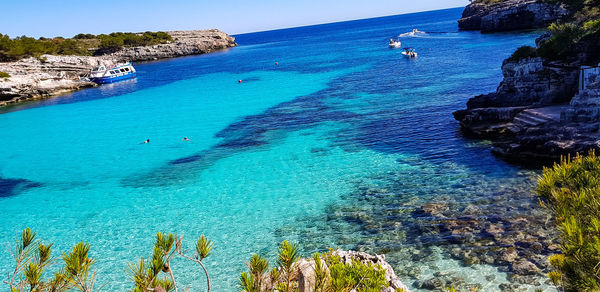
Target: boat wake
413,33
438,35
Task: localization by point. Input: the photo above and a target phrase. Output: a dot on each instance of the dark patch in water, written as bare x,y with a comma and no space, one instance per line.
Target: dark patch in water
11,187
186,159
251,79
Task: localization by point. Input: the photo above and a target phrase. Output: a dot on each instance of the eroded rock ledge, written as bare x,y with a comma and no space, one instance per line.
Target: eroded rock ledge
537,113
509,15
34,78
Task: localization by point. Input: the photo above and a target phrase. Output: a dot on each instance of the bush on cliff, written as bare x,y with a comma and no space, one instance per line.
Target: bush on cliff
81,44
523,53
571,190
4,75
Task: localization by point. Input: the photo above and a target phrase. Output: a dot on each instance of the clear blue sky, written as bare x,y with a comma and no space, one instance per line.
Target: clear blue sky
68,17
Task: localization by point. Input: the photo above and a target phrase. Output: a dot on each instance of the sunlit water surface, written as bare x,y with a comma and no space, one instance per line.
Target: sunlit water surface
279,156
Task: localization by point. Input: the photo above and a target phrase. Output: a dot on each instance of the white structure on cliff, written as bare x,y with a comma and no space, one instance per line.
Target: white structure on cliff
587,76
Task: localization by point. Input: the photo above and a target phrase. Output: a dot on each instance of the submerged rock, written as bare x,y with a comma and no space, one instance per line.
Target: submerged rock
525,267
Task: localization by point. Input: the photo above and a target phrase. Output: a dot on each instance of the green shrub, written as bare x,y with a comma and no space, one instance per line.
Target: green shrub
523,52
331,274
4,75
32,259
81,44
358,276
571,190
563,37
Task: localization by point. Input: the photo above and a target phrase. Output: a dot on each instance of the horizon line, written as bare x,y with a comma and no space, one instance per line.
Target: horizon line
347,20
250,32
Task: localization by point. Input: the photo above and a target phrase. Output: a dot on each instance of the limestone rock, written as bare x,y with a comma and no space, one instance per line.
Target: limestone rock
33,78
390,275
193,42
509,15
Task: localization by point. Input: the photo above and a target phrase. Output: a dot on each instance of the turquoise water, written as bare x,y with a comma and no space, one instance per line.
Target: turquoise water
335,146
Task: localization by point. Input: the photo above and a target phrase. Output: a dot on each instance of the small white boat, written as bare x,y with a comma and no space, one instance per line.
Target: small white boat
102,75
410,52
395,43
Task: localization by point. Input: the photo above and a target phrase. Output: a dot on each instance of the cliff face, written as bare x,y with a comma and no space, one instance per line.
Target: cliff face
50,75
528,83
537,114
192,42
509,15
33,78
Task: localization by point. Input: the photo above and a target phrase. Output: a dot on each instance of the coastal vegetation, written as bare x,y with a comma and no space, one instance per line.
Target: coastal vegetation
571,189
12,49
523,53
582,23
4,75
33,259
330,273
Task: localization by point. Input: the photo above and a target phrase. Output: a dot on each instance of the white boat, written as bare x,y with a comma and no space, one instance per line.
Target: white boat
102,75
410,52
395,43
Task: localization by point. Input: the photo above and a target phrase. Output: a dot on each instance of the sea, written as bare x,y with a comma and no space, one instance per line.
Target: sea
321,135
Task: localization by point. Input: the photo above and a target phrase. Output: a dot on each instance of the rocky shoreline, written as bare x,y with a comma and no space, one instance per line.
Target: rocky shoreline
539,111
38,78
509,15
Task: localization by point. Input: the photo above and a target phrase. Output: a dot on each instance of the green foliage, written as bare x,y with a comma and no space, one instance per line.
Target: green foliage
356,276
322,281
128,39
81,44
563,37
203,248
252,282
523,53
4,75
33,258
287,258
147,275
330,273
572,191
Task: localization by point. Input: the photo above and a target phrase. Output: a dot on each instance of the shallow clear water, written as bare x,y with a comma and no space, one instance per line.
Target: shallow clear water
337,145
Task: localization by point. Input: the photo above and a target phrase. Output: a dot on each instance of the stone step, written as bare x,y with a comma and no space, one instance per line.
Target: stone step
530,119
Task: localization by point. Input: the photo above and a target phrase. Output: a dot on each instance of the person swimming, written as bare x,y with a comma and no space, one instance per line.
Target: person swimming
147,141
186,139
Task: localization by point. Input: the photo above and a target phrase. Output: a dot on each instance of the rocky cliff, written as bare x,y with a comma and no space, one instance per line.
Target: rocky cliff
35,78
509,15
192,42
537,112
528,83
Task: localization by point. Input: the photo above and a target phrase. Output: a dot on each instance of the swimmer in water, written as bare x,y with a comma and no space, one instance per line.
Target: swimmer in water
147,141
186,139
